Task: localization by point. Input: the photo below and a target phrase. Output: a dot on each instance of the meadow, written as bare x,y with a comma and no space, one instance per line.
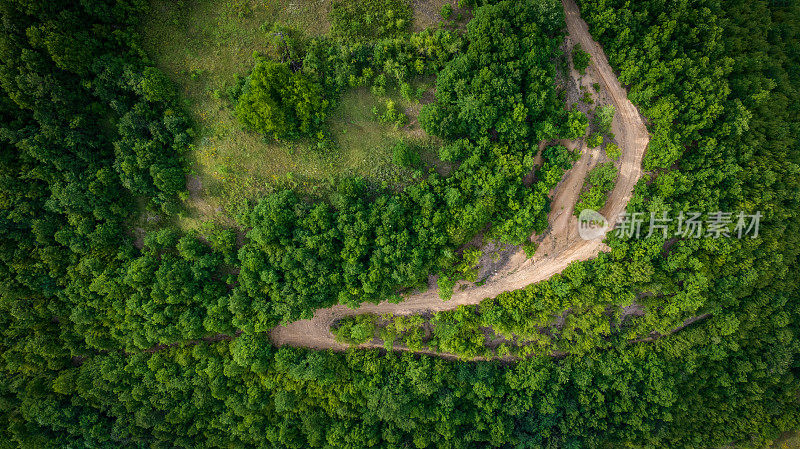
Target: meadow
203,46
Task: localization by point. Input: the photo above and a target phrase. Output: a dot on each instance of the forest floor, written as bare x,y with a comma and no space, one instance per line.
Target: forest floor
559,246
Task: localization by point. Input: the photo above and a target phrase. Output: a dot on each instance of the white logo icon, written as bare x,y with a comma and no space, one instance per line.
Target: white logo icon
592,225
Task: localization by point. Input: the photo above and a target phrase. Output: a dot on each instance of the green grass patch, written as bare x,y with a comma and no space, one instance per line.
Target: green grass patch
788,440
202,45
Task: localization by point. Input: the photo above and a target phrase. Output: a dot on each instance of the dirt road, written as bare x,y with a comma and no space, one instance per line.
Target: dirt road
562,244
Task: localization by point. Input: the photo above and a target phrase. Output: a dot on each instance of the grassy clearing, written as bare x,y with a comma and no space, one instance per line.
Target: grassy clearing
364,143
789,440
202,45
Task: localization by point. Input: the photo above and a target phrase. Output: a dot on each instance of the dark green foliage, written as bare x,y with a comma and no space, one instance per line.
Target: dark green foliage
446,11
406,155
580,59
294,398
483,93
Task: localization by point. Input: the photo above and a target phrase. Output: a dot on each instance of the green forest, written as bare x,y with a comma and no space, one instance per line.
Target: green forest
130,320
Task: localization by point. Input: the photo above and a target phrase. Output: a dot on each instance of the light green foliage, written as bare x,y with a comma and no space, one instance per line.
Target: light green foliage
603,116
390,114
457,332
280,103
599,182
406,91
405,330
613,151
576,125
369,19
155,87
530,215
530,249
355,329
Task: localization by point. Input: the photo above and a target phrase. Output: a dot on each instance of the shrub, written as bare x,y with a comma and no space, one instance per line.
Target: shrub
409,93
595,140
405,156
355,330
280,103
613,152
154,86
600,181
603,117
576,125
466,269
390,115
580,59
447,11
529,248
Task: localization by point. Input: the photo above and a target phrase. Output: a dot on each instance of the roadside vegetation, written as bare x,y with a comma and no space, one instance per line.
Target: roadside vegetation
599,183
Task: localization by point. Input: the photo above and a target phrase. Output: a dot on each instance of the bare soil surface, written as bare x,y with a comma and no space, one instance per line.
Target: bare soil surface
427,13
194,185
559,246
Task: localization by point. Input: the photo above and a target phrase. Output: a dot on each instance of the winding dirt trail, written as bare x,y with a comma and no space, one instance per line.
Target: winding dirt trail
560,246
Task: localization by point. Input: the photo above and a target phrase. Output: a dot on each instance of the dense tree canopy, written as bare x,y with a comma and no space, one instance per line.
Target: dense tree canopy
499,87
